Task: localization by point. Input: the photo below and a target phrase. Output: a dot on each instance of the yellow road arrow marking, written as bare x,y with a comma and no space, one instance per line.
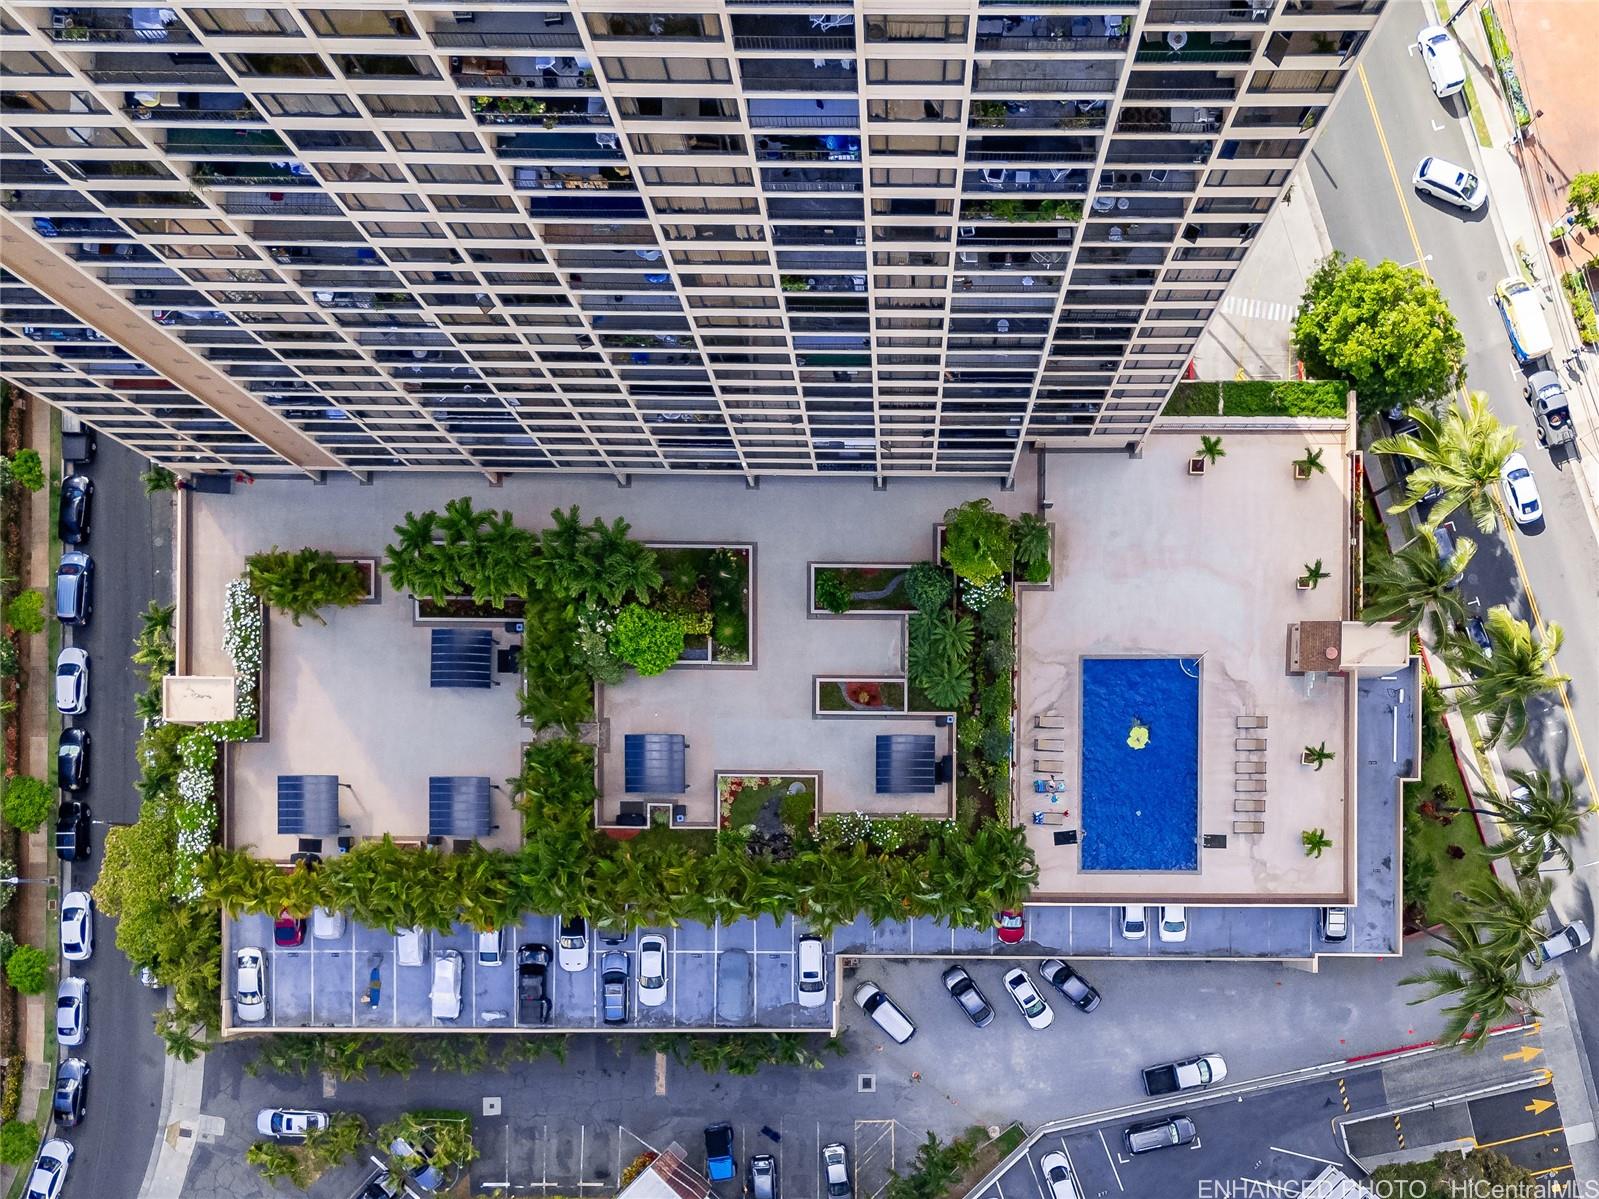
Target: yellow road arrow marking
1526,1053
1539,1106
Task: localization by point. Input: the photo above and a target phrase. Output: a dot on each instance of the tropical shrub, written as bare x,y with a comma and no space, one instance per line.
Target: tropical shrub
593,647
998,619
928,587
463,552
27,802
560,664
831,594
25,611
275,1161
594,563
19,1141
648,641
978,596
979,543
744,1053
10,660
25,469
28,970
1033,546
300,582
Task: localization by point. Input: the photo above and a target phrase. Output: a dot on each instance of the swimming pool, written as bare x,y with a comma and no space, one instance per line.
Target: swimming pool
1140,807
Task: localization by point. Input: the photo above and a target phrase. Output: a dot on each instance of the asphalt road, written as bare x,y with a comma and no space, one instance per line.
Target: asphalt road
1549,570
130,542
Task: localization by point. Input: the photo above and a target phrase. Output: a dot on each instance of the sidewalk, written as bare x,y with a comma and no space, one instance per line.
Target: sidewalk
1524,230
1249,335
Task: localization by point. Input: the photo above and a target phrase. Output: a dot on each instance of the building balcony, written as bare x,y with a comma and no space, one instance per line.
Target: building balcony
604,147
995,150
1148,181
176,69
538,73
487,39
1024,181
1043,75
1021,211
575,178
1207,12
534,110
831,148
1051,34
262,204
102,25
276,175
186,141
48,201
1182,46
820,43
1176,86
1182,120
797,75
212,107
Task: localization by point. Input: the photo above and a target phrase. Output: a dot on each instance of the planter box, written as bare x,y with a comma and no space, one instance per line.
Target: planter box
883,573
702,650
371,574
1196,466
463,609
844,696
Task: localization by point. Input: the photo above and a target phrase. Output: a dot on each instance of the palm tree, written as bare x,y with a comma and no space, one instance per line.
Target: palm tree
1210,450
1314,574
1507,911
1402,587
298,583
498,563
1542,814
417,562
1318,755
1506,678
1461,452
1484,973
1311,463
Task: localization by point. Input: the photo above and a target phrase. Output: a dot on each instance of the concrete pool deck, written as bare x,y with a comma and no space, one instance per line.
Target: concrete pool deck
1152,561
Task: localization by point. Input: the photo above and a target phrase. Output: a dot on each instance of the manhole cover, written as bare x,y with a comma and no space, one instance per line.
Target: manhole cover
866,1084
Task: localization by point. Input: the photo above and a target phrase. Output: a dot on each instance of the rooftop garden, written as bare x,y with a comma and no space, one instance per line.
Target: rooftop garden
1257,397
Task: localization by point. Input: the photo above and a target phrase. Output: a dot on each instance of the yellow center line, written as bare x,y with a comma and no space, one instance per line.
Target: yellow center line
1508,526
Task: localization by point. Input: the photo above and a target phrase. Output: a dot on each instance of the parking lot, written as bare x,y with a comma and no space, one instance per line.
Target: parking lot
326,983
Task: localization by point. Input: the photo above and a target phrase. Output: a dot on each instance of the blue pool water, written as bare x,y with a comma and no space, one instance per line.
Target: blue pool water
1140,807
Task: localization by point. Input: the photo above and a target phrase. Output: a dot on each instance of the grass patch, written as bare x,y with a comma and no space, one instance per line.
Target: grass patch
869,579
1259,397
1431,841
773,803
835,696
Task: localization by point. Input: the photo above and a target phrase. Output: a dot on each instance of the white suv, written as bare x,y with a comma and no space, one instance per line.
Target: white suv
446,993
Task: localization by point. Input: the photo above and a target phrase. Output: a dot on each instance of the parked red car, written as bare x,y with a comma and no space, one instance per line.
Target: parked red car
1010,927
288,931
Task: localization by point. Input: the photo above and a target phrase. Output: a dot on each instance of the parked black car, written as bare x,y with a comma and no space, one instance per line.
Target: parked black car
72,759
1165,1133
71,1102
1069,983
77,503
75,588
614,973
72,830
533,984
760,1177
964,991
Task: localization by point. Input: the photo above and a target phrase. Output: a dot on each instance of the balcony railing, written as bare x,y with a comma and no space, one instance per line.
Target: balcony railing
61,201
1030,156
1085,122
1215,92
259,205
1206,14
454,38
582,80
788,122
783,185
1050,44
1080,84
186,73
168,35
832,44
164,113
798,83
1207,54
547,120
1168,126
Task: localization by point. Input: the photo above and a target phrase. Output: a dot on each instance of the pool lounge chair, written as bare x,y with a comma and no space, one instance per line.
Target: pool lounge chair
1249,805
1049,765
1249,745
1251,722
1049,745
1249,785
1249,767
1049,721
1249,826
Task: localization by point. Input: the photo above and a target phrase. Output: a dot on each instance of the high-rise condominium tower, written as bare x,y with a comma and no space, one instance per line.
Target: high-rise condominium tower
891,237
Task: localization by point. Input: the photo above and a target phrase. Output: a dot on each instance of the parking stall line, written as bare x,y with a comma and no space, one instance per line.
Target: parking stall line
1111,1158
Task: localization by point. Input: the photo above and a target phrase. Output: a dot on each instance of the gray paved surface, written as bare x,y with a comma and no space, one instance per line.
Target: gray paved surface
130,542
1468,255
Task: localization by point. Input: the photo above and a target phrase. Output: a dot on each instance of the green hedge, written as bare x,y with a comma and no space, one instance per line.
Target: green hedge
1260,397
1576,289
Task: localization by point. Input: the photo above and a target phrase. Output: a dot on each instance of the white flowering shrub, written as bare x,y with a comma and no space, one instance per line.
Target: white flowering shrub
241,641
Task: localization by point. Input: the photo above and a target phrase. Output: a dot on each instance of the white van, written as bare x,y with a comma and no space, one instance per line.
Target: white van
445,996
1522,311
812,984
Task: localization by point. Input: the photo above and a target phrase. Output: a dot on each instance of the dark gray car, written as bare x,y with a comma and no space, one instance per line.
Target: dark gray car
1168,1132
760,1177
614,971
964,991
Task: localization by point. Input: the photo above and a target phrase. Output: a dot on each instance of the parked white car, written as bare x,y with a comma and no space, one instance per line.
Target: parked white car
77,926
1521,490
572,947
1058,1176
72,681
49,1170
652,960
1034,1007
812,971
1445,67
249,985
885,1013
1559,943
491,947
288,1123
72,1011
1135,923
1173,924
1449,182
408,946
446,993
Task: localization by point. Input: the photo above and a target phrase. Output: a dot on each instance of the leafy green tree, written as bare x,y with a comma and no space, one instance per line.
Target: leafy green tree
23,469
19,1141
157,479
935,1169
1462,453
1385,330
1316,842
28,802
275,1161
831,593
979,543
1505,679
300,582
647,640
929,588
337,1143
25,611
1483,975
1451,1173
28,970
418,562
1404,586
1583,196
745,1053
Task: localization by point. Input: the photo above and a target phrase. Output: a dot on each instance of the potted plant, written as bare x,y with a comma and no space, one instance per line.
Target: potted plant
1207,454
1316,755
1313,576
1309,465
796,283
1315,840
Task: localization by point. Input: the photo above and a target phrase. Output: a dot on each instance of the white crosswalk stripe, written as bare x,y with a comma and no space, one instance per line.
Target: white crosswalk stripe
1266,310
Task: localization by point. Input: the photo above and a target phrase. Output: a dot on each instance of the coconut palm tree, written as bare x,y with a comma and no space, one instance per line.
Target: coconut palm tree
1503,680
1402,587
498,562
1507,911
417,561
1543,817
1484,976
1210,450
1462,452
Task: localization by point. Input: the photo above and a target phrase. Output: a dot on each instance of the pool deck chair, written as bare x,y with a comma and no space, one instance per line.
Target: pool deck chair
1247,785
1249,805
1049,765
1251,722
1049,745
1249,826
1250,767
1249,745
1049,721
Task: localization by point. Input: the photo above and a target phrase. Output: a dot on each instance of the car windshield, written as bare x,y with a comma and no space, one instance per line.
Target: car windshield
1466,182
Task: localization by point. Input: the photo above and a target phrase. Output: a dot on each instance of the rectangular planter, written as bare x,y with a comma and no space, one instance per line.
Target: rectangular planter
703,650
512,612
886,568
374,577
845,696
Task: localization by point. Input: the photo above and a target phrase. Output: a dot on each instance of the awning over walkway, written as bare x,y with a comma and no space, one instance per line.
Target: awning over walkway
308,804
905,764
463,658
655,763
458,806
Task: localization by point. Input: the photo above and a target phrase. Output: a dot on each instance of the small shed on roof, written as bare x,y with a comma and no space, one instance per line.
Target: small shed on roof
655,763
